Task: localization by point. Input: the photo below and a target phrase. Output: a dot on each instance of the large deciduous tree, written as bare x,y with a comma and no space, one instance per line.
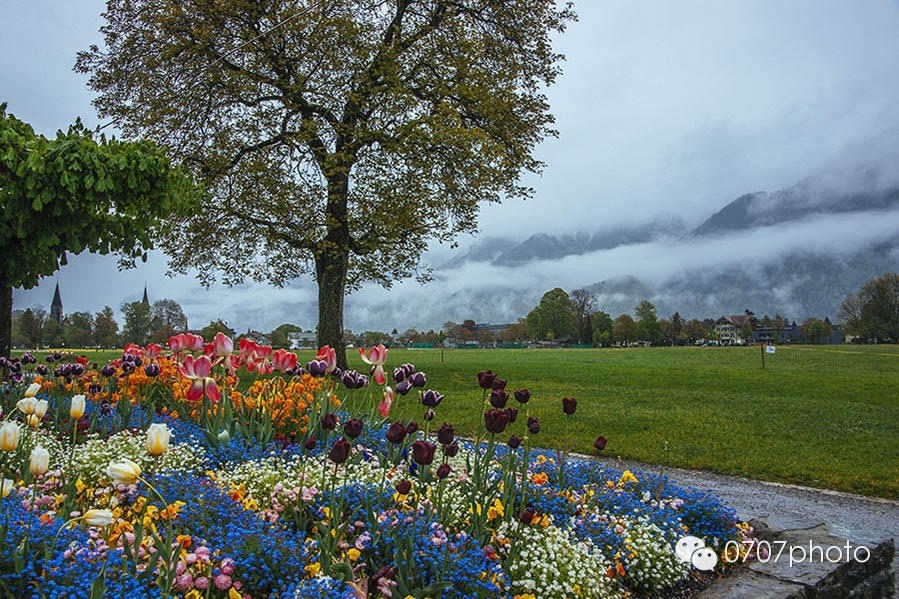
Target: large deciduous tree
552,318
337,137
75,193
872,313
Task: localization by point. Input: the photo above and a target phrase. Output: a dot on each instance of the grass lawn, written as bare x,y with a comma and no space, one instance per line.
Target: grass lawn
823,416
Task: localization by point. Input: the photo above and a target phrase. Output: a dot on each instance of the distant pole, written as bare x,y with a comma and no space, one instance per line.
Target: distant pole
762,347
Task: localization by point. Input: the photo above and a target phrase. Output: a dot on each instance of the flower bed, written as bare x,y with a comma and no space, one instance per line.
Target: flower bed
215,472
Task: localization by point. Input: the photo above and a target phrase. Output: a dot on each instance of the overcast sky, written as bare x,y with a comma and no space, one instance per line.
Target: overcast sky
665,108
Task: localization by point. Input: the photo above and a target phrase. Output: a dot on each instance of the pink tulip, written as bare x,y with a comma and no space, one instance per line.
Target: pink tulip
329,356
222,345
283,360
386,402
377,356
177,343
133,349
199,370
153,350
194,342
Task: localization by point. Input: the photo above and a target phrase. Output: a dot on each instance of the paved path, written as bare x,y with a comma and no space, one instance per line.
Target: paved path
862,520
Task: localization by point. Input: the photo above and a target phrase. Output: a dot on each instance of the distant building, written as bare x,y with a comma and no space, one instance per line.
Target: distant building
256,336
490,328
728,327
788,334
301,339
56,306
146,300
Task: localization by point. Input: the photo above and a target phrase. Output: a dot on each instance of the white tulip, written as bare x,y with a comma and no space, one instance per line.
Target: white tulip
98,517
27,405
32,389
158,436
6,487
40,461
9,436
40,408
34,421
125,471
76,409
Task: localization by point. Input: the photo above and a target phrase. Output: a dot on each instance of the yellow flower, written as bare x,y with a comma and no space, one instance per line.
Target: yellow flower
313,569
495,510
353,554
232,594
540,479
627,477
9,436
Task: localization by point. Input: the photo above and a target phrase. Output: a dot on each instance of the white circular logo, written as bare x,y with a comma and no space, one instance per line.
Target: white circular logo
704,558
686,546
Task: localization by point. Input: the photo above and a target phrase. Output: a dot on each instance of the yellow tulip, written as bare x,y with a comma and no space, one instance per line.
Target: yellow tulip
6,487
40,461
27,405
125,472
34,421
98,517
9,436
40,408
32,390
76,409
158,436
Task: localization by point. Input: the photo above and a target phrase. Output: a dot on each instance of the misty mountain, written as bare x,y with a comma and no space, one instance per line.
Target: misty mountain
830,192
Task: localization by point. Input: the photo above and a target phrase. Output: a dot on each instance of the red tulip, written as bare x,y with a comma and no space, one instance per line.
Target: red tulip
377,357
199,370
329,356
153,350
283,360
384,406
222,345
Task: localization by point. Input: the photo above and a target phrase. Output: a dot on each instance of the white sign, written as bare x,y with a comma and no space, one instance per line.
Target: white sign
770,349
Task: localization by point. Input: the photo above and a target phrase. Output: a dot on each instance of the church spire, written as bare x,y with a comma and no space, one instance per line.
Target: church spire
146,299
56,306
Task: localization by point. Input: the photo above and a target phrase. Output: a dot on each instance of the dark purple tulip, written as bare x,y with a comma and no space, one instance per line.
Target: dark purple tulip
418,379
513,414
329,421
396,432
496,421
443,471
486,378
28,358
340,451
41,370
403,387
522,395
17,378
352,428
317,368
533,425
600,443
527,516
569,405
152,369
403,487
431,398
412,428
77,369
66,369
127,367
451,450
107,370
429,415
399,374
423,452
94,388
353,379
498,384
337,372
309,444
446,434
514,442
498,398
57,355
49,359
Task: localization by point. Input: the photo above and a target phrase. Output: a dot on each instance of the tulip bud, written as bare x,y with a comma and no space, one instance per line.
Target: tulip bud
533,425
403,387
6,487
522,396
309,445
423,452
496,421
445,434
98,517
76,407
498,398
451,450
417,379
329,421
40,408
431,398
158,436
41,370
429,415
9,436
600,443
34,421
152,370
485,379
513,414
124,472
352,428
32,389
569,405
340,451
412,428
224,437
396,432
403,487
527,516
40,461
514,442
498,384
443,471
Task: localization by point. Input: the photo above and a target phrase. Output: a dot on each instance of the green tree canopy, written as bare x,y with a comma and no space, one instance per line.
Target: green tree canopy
625,330
138,323
76,193
78,329
603,329
106,329
872,313
552,318
336,139
815,330
31,326
216,326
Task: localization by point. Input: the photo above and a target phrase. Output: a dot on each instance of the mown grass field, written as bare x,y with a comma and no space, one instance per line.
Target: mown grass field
823,416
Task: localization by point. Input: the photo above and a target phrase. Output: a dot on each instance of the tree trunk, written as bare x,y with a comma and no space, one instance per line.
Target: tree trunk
331,270
331,265
5,317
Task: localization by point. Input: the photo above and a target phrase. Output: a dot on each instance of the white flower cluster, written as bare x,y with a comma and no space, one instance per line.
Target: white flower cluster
92,456
652,564
551,565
